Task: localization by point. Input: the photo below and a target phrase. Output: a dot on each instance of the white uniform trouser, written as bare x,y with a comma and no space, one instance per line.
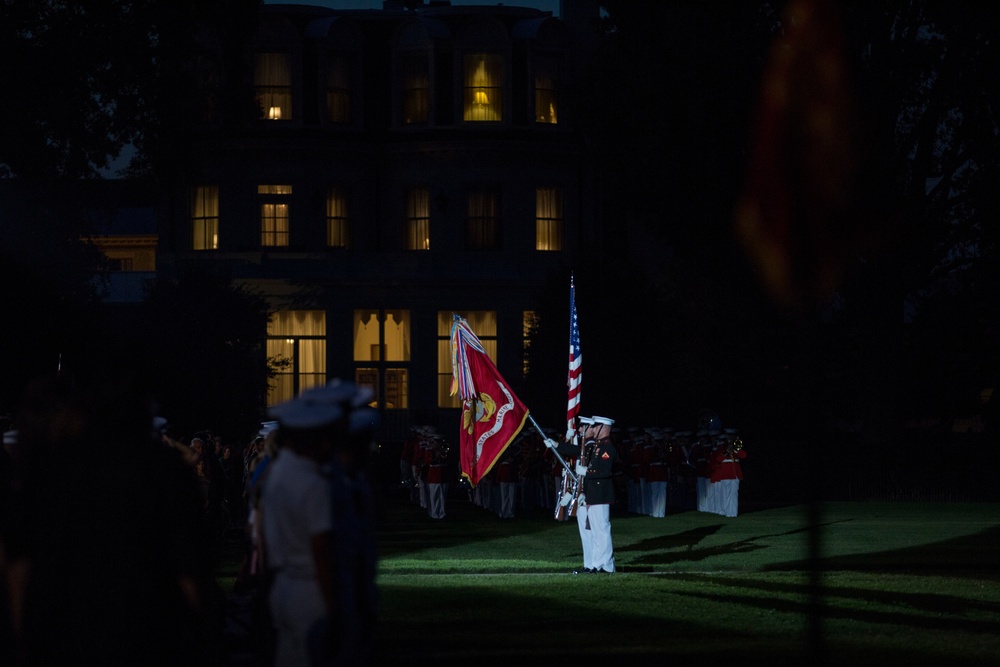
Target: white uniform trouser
598,553
658,499
296,606
701,494
436,496
728,496
508,499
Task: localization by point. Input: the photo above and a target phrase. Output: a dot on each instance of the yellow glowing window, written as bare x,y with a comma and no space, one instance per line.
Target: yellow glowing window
297,338
484,324
274,215
418,219
337,227
381,344
546,92
483,87
548,219
205,218
273,85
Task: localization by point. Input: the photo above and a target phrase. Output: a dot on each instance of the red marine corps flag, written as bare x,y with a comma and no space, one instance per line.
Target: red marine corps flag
491,414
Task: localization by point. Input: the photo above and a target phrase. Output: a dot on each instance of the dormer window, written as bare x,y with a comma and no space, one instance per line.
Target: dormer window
338,90
273,85
546,91
416,89
483,86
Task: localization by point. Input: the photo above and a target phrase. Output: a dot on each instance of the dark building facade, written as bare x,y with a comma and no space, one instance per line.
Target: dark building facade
390,168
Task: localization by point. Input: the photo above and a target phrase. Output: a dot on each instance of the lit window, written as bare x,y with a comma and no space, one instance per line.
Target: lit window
484,324
546,92
337,227
274,215
205,218
273,85
483,87
416,89
418,219
482,230
548,219
338,90
297,338
381,344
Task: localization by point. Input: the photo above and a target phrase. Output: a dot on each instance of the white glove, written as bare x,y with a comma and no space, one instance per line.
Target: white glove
581,501
566,499
581,470
550,443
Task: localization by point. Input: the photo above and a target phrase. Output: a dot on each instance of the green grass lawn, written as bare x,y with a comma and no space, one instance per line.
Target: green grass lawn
895,583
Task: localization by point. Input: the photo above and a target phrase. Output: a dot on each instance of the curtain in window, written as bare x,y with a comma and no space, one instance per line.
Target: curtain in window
274,224
337,230
205,218
418,223
298,336
416,89
288,323
548,219
482,228
273,83
483,87
546,98
338,90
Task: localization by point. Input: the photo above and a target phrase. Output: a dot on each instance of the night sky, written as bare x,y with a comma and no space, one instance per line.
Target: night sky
545,5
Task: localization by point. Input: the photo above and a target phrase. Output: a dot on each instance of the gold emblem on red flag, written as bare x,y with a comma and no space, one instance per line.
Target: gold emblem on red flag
484,410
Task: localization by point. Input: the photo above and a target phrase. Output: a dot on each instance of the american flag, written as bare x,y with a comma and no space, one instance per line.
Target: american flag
575,377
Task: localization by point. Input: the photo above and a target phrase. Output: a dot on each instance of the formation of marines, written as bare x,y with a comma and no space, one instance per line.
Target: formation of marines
659,471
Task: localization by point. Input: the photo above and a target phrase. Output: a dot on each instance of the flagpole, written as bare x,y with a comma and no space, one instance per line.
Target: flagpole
554,451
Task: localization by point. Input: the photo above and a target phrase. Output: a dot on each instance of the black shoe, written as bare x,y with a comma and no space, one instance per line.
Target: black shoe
596,571
586,570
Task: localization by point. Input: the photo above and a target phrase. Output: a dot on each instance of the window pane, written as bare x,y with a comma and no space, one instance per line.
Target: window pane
274,215
445,400
297,323
274,189
273,84
482,224
312,356
298,336
205,218
416,88
366,336
274,224
281,349
548,219
546,97
337,230
418,224
338,90
397,335
397,388
367,377
483,87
